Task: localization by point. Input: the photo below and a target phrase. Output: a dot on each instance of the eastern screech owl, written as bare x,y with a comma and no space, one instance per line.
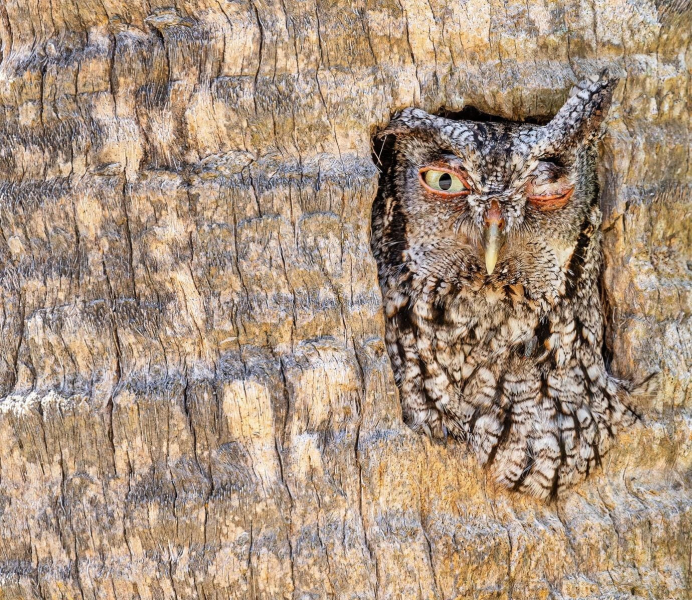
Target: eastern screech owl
487,238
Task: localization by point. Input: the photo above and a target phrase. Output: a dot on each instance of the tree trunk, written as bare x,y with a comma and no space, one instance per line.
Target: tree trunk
196,401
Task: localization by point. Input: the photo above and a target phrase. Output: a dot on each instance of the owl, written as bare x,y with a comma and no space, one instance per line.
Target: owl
488,244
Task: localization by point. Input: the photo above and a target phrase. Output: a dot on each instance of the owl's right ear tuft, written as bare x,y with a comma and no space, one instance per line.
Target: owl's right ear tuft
580,118
595,82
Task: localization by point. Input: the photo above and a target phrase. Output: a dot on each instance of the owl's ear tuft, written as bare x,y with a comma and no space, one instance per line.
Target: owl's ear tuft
579,120
406,122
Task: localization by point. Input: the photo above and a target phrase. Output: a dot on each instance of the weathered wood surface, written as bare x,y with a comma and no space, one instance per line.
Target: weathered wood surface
195,398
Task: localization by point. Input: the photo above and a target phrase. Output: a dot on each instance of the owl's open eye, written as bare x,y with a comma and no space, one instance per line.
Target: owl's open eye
443,182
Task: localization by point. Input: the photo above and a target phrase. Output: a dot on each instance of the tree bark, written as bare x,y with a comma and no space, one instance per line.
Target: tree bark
195,397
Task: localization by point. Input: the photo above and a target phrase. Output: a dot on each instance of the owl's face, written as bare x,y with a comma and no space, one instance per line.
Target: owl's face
487,205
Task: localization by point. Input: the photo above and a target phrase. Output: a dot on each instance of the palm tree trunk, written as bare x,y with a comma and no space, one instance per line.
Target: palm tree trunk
195,400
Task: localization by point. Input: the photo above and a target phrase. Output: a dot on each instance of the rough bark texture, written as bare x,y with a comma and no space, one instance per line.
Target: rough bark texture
196,402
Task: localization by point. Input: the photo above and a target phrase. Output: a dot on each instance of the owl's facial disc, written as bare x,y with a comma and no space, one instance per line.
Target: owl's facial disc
543,185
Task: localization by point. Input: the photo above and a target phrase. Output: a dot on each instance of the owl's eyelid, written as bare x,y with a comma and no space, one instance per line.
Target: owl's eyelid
451,169
548,202
444,169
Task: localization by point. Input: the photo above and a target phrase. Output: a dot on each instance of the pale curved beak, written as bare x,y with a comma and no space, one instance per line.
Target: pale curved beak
493,235
492,242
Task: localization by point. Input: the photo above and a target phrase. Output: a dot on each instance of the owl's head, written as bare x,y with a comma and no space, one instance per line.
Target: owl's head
491,204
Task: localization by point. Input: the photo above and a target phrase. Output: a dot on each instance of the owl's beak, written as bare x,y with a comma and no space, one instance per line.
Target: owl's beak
493,235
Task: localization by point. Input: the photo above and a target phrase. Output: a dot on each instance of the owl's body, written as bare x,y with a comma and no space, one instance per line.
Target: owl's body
487,238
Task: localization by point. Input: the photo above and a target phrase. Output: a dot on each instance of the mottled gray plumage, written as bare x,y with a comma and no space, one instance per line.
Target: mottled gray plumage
507,357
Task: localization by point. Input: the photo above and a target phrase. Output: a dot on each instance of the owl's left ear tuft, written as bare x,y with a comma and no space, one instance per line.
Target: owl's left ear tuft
579,120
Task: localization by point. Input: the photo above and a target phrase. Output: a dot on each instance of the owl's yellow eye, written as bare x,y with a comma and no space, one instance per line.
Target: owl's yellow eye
443,182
